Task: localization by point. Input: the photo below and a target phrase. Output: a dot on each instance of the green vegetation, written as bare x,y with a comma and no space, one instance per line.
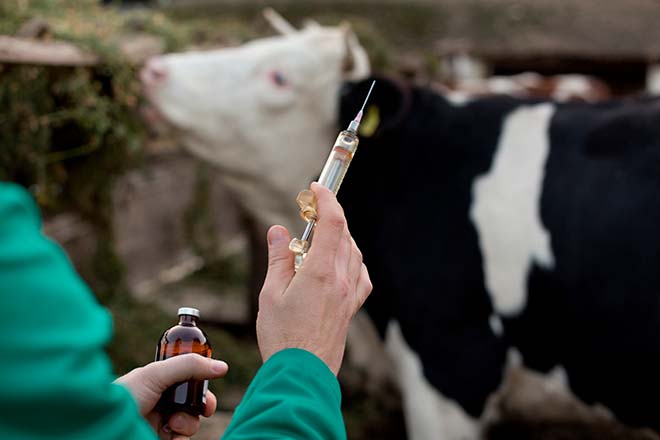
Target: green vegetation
68,133
102,29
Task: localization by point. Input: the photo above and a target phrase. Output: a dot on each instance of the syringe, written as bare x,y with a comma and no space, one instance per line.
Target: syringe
331,177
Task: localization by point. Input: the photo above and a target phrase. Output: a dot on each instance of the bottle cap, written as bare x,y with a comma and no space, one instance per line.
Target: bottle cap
188,311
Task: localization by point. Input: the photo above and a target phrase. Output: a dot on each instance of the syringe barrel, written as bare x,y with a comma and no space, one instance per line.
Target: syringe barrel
340,158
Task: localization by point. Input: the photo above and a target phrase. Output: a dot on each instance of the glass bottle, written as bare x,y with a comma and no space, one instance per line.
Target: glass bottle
185,337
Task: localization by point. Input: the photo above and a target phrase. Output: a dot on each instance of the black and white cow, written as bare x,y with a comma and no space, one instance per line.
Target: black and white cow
502,223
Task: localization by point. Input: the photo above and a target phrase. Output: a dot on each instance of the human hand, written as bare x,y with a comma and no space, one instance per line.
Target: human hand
312,310
147,383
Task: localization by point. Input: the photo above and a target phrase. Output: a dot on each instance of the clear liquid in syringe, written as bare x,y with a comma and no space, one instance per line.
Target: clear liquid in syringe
335,168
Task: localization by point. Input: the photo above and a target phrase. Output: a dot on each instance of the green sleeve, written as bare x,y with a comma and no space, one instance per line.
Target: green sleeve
55,378
293,396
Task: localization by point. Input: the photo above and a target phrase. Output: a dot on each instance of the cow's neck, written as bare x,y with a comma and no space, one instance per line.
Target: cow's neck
270,195
266,204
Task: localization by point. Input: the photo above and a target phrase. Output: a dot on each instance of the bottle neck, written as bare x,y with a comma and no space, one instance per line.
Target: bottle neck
188,320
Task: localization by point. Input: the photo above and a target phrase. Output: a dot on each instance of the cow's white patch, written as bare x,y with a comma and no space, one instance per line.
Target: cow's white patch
653,79
463,66
495,323
429,415
458,99
571,86
503,85
505,208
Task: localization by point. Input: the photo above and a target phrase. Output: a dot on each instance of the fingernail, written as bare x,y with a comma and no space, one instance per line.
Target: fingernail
166,427
276,236
218,366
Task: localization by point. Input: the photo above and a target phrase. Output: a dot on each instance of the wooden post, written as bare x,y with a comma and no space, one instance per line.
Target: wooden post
50,53
17,50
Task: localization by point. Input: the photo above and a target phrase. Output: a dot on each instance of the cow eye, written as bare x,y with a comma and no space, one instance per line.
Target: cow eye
278,79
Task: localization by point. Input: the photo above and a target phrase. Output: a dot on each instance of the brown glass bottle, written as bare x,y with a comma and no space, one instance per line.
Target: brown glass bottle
185,337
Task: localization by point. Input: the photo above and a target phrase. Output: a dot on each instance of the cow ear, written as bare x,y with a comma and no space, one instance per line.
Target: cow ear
385,110
279,23
308,23
356,62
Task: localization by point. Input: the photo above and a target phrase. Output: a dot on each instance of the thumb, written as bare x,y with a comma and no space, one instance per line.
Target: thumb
164,374
280,260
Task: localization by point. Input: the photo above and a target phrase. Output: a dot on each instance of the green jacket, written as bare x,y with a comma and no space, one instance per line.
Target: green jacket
56,380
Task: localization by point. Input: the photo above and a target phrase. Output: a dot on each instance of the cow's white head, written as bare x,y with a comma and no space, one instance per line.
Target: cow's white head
265,113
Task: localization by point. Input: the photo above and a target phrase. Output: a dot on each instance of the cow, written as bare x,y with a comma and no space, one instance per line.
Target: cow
499,224
498,231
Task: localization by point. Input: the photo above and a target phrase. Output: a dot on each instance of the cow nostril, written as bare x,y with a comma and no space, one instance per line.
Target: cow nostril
154,72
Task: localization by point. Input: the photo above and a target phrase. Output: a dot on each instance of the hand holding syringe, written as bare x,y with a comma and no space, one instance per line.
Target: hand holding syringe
331,177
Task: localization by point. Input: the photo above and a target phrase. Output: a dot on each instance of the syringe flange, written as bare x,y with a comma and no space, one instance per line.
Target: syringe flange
300,246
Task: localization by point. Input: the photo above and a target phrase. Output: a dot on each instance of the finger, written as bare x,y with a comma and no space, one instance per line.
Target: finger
162,374
154,419
165,433
329,228
355,268
211,404
184,424
364,286
280,261
163,430
343,257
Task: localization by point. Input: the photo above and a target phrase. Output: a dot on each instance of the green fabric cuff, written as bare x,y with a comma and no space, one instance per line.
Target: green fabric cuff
294,395
310,366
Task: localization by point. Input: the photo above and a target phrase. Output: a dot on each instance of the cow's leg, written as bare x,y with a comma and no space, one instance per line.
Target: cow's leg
531,398
429,415
366,354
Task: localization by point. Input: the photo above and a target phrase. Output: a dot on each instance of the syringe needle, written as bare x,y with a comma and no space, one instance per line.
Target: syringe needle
373,83
355,123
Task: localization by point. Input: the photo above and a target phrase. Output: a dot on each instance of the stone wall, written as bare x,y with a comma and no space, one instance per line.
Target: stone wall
150,231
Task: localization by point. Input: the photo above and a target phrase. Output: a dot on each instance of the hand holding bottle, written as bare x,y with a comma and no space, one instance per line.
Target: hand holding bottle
148,383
